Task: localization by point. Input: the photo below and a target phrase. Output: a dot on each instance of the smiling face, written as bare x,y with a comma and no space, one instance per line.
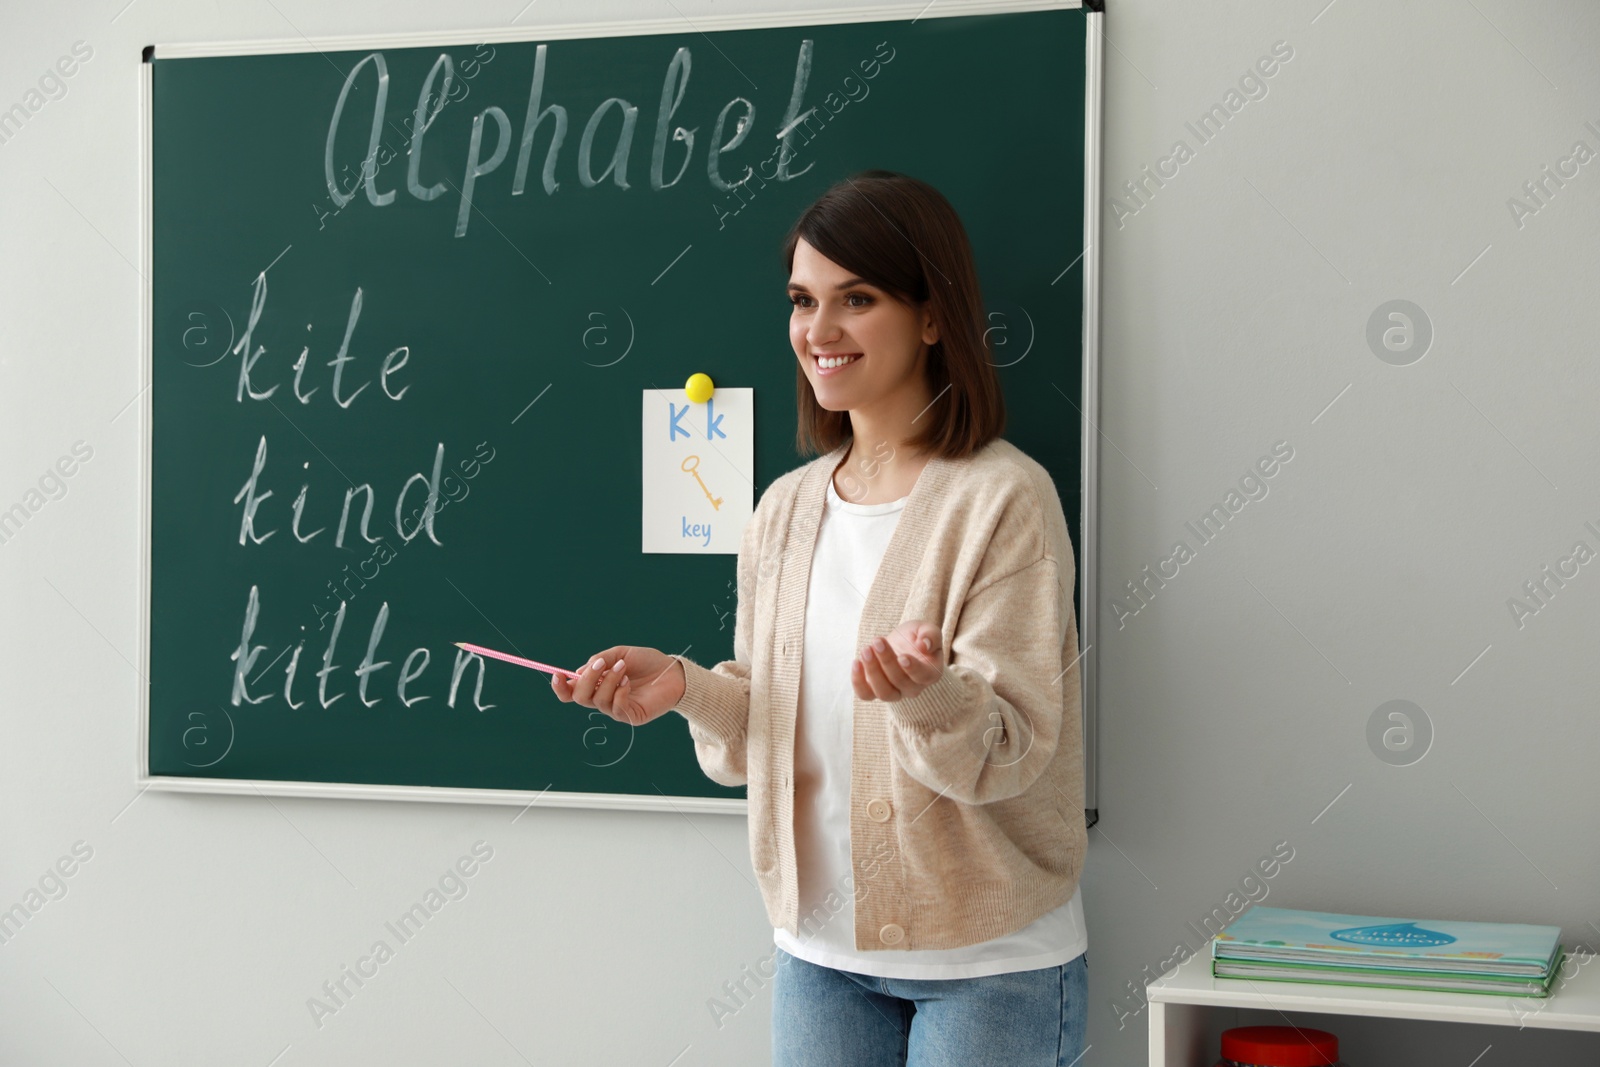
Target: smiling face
857,344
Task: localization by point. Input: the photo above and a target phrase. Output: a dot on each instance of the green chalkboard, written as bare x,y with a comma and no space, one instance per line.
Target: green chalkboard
304,345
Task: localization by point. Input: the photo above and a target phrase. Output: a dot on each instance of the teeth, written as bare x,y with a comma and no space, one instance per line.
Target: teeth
836,361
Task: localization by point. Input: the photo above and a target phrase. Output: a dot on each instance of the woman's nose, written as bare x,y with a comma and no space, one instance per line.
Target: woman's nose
823,329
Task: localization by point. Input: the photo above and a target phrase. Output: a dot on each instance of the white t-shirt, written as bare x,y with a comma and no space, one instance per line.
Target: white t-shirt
850,545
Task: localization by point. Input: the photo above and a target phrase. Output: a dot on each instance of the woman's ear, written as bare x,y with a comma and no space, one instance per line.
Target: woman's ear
930,329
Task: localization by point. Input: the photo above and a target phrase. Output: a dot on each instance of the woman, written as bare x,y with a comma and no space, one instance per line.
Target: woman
916,817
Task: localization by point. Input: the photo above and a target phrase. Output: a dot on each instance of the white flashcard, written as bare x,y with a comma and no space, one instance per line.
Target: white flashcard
699,470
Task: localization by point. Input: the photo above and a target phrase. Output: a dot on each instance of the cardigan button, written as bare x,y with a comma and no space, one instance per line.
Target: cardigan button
891,934
878,808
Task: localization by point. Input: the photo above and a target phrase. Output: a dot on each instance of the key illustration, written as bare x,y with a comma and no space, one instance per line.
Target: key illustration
692,464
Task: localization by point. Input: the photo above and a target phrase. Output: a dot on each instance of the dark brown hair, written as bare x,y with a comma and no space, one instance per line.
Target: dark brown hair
902,236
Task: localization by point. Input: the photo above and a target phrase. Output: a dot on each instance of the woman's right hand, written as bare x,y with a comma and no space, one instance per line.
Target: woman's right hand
629,683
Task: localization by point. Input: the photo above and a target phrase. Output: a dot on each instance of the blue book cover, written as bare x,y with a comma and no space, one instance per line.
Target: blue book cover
1313,937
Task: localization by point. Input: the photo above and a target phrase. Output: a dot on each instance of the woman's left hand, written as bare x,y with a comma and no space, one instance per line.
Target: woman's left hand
899,665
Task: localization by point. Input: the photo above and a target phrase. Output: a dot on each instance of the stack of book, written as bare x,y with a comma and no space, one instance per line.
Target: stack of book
1284,945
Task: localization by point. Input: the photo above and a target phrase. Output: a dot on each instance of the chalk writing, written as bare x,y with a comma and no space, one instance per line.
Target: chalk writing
610,138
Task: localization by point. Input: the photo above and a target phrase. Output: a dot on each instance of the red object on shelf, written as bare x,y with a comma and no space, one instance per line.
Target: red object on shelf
1279,1046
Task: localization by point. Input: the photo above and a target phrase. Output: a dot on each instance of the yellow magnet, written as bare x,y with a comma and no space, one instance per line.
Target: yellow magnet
699,388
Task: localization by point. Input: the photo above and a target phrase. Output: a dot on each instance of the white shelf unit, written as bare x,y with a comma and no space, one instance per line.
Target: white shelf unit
1189,1008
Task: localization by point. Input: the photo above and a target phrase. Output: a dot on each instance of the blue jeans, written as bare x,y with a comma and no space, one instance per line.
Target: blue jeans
823,1017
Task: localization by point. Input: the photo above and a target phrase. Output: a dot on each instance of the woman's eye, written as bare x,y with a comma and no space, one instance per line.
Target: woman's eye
851,300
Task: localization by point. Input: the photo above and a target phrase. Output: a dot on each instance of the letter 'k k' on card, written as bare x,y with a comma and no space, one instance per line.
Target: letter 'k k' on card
699,470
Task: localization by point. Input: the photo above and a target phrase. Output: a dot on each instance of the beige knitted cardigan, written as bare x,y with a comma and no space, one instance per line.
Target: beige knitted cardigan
967,815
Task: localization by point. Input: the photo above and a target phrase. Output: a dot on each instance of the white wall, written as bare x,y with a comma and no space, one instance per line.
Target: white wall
1378,567
1235,705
